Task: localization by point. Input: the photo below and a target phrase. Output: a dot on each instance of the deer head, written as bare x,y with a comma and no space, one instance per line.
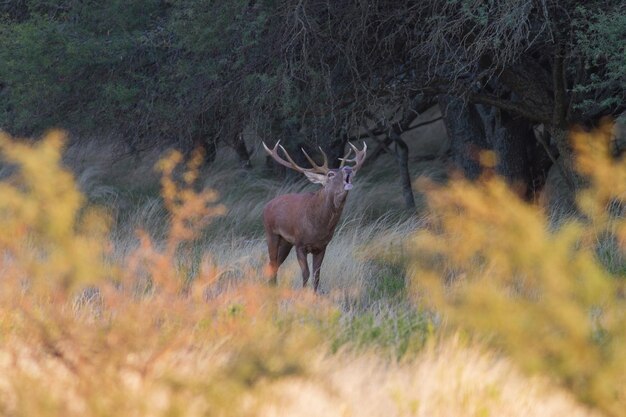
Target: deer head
336,181
308,220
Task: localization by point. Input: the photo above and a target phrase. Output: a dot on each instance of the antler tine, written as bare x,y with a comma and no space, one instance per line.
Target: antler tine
325,166
293,163
322,169
345,158
319,169
274,154
268,150
359,156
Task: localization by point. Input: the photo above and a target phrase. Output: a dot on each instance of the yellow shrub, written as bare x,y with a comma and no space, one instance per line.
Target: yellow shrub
491,263
47,235
80,337
77,336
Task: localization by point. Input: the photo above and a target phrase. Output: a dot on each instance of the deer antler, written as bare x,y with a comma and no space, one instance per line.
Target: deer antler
345,158
323,169
359,156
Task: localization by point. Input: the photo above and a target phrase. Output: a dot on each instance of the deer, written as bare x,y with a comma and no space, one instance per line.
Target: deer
307,220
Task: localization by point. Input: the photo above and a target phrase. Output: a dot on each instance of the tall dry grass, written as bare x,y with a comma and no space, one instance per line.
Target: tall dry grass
126,307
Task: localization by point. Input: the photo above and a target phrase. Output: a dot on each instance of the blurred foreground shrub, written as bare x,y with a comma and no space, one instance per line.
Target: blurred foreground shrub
493,265
45,244
87,331
83,332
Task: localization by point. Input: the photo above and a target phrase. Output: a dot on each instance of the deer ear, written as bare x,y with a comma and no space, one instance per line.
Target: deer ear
316,178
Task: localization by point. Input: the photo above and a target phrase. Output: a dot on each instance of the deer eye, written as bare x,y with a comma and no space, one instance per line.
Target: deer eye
331,174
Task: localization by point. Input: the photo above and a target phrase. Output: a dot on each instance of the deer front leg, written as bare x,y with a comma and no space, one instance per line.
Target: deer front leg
318,257
304,265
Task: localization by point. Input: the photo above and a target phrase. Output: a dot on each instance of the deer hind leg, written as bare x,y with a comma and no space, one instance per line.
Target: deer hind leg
318,257
284,248
278,249
304,264
273,243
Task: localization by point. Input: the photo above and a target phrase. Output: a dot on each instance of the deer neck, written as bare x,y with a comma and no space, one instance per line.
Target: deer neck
327,208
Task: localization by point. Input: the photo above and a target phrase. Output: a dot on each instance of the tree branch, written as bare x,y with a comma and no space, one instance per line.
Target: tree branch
510,106
558,80
382,130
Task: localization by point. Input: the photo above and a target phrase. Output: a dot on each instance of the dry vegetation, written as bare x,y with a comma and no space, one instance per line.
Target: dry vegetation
127,303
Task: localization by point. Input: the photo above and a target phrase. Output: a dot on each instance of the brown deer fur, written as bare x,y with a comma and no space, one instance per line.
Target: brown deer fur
307,220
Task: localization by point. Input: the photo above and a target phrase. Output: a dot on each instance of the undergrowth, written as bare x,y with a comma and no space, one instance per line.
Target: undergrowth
165,312
551,298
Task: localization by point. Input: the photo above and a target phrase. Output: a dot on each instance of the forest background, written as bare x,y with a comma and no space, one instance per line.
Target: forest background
489,212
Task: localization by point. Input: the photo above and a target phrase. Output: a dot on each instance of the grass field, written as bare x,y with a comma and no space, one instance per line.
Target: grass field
128,303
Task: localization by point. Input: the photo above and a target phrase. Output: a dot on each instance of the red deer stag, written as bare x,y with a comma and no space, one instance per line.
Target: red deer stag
307,220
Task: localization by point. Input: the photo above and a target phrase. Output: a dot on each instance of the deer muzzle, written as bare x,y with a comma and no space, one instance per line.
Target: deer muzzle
347,178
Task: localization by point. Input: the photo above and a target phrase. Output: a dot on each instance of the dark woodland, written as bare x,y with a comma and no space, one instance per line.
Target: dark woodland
510,76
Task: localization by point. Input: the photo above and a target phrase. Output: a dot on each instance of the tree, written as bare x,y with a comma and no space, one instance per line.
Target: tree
531,60
315,72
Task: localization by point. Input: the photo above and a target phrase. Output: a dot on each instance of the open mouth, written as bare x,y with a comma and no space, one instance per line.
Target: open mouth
348,184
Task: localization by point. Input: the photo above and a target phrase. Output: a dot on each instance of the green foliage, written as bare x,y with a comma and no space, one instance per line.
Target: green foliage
184,70
390,283
146,67
83,67
601,36
399,331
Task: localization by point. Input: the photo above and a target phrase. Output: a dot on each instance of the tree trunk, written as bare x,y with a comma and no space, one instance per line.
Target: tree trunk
336,149
511,139
380,149
541,157
402,155
465,130
560,136
204,139
208,145
242,151
510,144
290,140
